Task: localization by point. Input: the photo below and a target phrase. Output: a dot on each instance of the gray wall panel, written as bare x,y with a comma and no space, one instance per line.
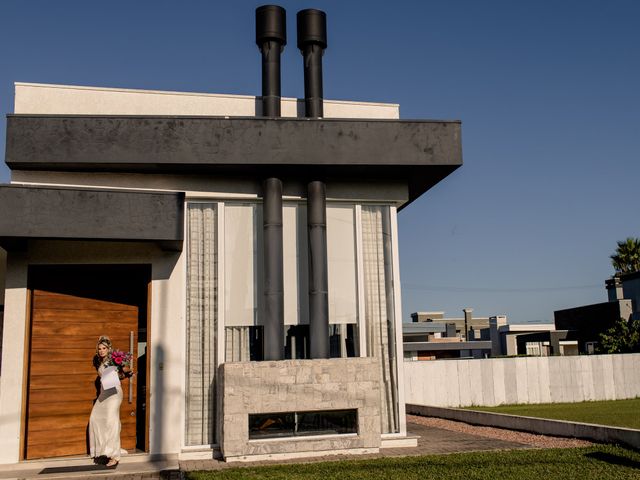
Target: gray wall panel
90,214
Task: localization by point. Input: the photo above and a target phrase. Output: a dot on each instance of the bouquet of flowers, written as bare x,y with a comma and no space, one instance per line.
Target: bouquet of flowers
122,361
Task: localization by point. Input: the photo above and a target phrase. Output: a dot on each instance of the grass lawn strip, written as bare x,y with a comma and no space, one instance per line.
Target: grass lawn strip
602,462
618,413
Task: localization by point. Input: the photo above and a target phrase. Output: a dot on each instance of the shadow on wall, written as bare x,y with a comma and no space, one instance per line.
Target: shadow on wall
3,273
164,395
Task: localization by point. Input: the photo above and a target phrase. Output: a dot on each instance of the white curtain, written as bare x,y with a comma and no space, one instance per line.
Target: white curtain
379,308
243,273
201,324
295,260
341,264
237,344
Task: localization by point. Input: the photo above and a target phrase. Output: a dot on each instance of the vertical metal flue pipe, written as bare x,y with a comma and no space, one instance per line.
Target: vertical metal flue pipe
312,40
273,270
271,37
318,277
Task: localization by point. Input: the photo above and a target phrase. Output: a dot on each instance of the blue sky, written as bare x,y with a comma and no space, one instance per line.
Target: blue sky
548,93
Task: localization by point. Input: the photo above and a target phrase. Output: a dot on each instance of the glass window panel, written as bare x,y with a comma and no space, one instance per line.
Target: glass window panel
343,340
296,277
243,264
294,424
296,342
341,259
327,423
244,344
271,425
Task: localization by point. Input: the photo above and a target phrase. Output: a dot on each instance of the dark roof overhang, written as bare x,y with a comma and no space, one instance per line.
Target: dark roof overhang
89,214
420,153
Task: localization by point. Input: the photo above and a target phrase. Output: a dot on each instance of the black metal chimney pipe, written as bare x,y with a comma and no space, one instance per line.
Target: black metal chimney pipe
271,37
318,276
312,40
273,270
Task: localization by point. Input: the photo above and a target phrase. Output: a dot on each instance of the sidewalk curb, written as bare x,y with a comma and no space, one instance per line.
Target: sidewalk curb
542,426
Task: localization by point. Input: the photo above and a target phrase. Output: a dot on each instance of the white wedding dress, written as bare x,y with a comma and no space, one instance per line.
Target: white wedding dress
104,423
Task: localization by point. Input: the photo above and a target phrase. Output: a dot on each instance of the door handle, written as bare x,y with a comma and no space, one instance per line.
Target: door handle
132,365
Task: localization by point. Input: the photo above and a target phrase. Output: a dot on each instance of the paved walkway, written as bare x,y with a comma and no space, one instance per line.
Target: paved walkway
431,441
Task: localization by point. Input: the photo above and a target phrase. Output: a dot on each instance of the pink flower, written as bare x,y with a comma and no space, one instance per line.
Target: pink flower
118,360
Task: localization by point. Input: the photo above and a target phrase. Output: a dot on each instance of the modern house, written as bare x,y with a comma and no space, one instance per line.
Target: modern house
244,249
587,322
432,336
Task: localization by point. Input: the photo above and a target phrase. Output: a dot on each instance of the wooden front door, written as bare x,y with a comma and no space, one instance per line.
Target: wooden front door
71,306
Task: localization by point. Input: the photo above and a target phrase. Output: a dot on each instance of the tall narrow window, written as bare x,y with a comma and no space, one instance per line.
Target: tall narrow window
379,308
296,281
343,281
243,282
201,324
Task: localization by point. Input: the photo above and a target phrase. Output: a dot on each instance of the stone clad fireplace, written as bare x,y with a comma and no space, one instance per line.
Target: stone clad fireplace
291,386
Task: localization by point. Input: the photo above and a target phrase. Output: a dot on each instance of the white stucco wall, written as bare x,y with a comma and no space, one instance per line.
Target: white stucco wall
3,272
37,98
213,186
13,345
166,334
498,381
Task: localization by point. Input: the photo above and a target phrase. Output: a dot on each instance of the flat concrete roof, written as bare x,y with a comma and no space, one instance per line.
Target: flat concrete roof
418,152
424,346
527,327
423,327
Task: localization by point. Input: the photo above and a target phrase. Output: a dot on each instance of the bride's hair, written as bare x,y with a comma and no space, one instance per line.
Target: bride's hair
106,341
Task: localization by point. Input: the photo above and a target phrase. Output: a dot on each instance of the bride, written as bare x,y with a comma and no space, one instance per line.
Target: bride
104,423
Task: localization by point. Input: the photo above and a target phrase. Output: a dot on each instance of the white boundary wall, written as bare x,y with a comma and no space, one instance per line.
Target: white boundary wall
496,381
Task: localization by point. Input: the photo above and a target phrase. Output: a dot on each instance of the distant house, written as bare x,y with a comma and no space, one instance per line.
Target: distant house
625,287
432,336
587,322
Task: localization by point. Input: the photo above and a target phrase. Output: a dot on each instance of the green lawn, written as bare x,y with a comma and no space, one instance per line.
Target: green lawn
601,462
620,413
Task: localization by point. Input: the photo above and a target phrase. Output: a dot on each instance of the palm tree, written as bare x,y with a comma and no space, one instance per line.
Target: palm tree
626,259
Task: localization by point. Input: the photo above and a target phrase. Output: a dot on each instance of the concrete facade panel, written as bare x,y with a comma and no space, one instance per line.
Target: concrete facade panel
498,380
543,376
533,380
463,383
608,378
586,378
556,380
475,382
542,380
36,98
486,386
521,379
510,382
451,379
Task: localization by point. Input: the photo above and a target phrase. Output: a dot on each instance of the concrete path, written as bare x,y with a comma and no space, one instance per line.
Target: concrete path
431,441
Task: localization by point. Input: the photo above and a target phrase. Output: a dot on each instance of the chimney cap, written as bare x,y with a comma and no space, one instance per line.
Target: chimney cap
271,24
312,28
